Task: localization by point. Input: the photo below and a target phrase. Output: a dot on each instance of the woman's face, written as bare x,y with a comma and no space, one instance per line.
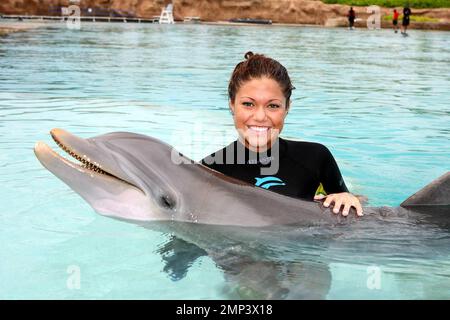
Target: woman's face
259,110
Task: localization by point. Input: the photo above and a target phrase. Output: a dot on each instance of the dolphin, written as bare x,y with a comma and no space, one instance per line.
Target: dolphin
142,180
135,177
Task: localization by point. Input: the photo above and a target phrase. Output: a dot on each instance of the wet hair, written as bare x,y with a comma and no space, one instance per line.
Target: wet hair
256,66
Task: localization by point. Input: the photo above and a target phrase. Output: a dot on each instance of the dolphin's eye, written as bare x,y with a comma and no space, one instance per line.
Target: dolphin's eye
167,202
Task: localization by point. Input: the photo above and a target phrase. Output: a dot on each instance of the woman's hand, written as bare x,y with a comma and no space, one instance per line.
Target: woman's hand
345,199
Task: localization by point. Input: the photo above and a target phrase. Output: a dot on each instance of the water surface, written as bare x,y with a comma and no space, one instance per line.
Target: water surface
378,101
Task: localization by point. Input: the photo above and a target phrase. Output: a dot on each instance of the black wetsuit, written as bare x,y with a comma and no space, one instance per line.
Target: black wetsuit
406,14
303,167
351,18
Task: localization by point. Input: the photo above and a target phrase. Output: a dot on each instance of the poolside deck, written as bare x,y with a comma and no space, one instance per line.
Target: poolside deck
82,18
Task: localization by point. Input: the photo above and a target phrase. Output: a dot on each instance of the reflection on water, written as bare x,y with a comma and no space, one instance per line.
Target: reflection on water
377,100
299,263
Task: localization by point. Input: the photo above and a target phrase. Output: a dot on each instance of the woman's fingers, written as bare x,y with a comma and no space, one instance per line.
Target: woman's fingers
337,205
347,200
346,210
359,210
329,200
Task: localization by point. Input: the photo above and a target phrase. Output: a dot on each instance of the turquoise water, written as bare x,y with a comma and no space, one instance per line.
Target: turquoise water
379,101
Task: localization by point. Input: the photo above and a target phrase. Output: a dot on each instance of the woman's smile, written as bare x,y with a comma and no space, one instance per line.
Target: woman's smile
259,130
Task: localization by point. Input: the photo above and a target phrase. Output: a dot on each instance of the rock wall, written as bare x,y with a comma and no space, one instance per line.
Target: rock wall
281,11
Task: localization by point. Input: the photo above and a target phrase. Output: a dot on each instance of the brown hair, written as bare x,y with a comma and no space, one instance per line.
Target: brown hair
257,66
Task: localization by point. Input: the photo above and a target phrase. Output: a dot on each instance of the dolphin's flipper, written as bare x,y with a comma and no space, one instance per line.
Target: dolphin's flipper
179,255
437,193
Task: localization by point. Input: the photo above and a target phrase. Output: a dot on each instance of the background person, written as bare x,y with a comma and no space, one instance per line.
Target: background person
395,20
405,21
351,18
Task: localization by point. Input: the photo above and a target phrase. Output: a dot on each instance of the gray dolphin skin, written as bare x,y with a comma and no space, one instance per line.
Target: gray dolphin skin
269,246
135,177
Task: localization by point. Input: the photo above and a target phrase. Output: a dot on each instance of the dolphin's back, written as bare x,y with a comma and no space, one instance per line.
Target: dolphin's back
235,202
229,201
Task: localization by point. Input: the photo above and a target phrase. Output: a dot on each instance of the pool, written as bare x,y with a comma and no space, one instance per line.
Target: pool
379,101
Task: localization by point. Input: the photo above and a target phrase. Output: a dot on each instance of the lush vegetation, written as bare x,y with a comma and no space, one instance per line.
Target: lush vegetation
395,3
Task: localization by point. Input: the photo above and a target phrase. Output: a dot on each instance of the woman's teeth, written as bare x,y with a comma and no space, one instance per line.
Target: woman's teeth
259,129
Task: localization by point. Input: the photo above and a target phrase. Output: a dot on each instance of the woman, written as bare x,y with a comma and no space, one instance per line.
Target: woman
259,99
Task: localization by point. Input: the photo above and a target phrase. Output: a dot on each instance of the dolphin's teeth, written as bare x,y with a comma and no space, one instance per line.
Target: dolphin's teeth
85,161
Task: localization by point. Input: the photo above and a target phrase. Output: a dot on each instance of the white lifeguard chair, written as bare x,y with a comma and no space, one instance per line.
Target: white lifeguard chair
167,15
